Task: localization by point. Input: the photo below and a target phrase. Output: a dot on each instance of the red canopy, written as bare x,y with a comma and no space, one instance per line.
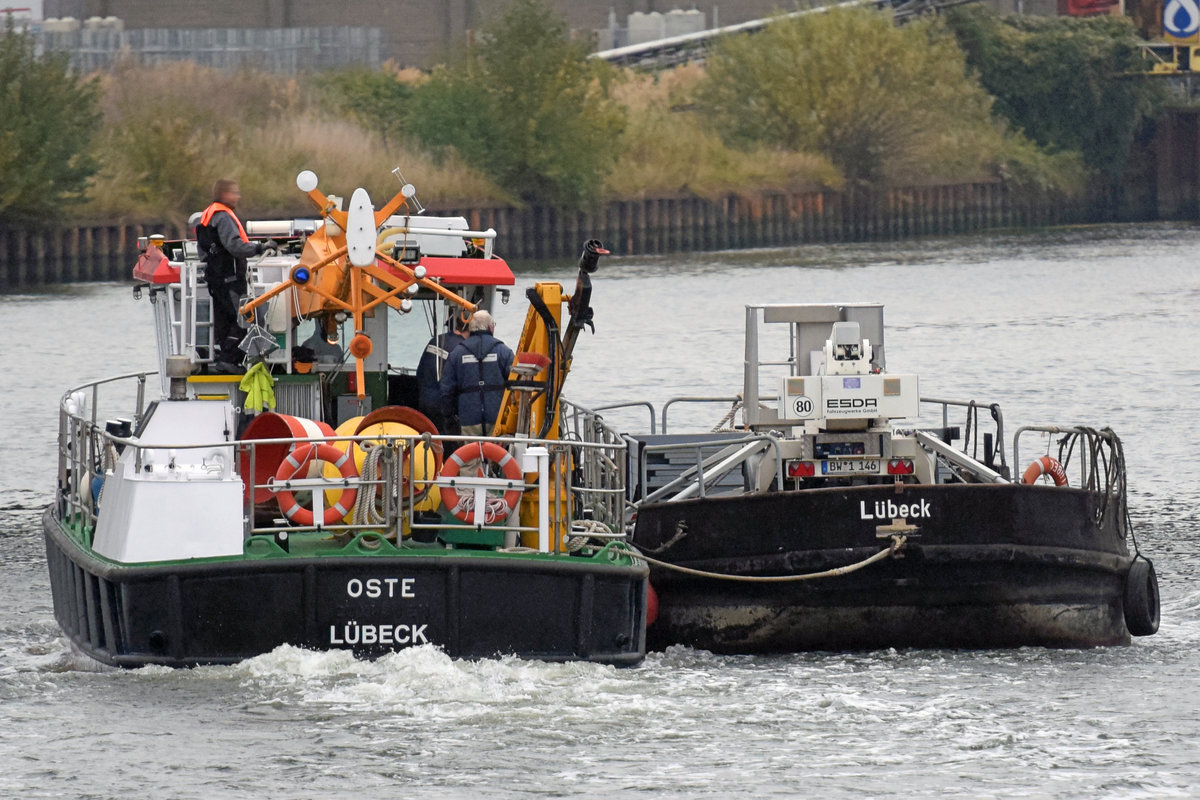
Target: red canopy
465,271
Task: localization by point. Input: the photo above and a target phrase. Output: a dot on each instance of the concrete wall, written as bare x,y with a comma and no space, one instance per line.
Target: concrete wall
282,51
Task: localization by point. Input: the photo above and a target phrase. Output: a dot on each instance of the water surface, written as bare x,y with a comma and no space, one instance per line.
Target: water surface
1094,326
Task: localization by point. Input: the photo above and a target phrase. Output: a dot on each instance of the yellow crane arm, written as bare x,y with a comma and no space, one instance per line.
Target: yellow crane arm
530,403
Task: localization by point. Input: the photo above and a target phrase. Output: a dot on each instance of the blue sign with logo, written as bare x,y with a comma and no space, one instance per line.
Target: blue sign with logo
1181,19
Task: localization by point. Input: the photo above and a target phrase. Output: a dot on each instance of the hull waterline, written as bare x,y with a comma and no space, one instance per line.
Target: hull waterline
980,566
221,612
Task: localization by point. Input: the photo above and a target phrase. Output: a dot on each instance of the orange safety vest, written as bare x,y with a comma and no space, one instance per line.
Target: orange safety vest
207,216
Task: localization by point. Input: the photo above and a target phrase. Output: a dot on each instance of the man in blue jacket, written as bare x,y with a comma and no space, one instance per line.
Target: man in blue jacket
474,375
429,373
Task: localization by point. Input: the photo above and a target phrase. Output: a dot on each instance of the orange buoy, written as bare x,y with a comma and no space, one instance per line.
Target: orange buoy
360,345
404,415
267,457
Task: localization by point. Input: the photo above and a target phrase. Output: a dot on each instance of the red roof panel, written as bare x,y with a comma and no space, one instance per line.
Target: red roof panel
466,271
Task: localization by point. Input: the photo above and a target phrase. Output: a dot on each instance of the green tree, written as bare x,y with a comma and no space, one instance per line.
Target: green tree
1068,83
45,131
527,108
376,98
883,103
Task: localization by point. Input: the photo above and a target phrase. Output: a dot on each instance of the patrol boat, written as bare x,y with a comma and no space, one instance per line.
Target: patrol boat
203,518
846,511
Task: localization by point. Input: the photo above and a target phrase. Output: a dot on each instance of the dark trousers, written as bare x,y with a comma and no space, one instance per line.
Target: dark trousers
226,293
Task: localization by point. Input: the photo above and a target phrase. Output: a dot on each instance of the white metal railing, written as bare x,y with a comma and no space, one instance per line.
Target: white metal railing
707,470
1097,457
579,481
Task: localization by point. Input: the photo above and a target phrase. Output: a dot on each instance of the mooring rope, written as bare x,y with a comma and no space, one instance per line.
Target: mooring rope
726,423
373,506
898,541
580,529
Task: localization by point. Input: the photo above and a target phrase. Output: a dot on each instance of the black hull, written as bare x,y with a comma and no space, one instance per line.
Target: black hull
987,566
221,612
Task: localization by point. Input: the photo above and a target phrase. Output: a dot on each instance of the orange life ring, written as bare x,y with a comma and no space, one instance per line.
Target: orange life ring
1045,466
463,507
297,462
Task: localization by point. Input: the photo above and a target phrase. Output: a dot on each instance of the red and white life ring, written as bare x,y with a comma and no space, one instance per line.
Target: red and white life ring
297,463
1045,466
462,506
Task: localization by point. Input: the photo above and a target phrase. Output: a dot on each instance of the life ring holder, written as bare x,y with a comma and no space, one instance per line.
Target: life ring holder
297,461
1046,465
498,456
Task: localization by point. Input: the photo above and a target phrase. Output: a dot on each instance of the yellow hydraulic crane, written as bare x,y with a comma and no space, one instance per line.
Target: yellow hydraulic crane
543,353
530,404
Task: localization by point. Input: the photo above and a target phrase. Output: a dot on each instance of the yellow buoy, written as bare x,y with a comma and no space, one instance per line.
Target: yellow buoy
421,468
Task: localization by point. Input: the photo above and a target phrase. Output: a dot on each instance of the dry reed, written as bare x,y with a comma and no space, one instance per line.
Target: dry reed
171,129
667,151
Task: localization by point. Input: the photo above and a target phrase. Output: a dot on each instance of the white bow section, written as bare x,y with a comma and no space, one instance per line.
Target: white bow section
360,229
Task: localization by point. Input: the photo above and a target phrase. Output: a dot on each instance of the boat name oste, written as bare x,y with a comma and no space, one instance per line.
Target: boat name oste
354,633
886,509
375,587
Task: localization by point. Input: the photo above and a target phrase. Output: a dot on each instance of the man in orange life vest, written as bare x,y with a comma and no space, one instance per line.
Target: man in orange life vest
224,248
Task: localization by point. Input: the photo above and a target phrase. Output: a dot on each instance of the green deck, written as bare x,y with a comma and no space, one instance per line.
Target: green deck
465,542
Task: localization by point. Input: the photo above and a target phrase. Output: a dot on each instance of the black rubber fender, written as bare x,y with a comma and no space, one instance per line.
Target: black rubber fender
1141,598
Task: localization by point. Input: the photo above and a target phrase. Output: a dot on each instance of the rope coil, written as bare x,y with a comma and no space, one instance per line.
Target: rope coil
375,505
494,508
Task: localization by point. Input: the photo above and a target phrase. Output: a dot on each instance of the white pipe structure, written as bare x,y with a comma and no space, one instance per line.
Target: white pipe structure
537,459
961,459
